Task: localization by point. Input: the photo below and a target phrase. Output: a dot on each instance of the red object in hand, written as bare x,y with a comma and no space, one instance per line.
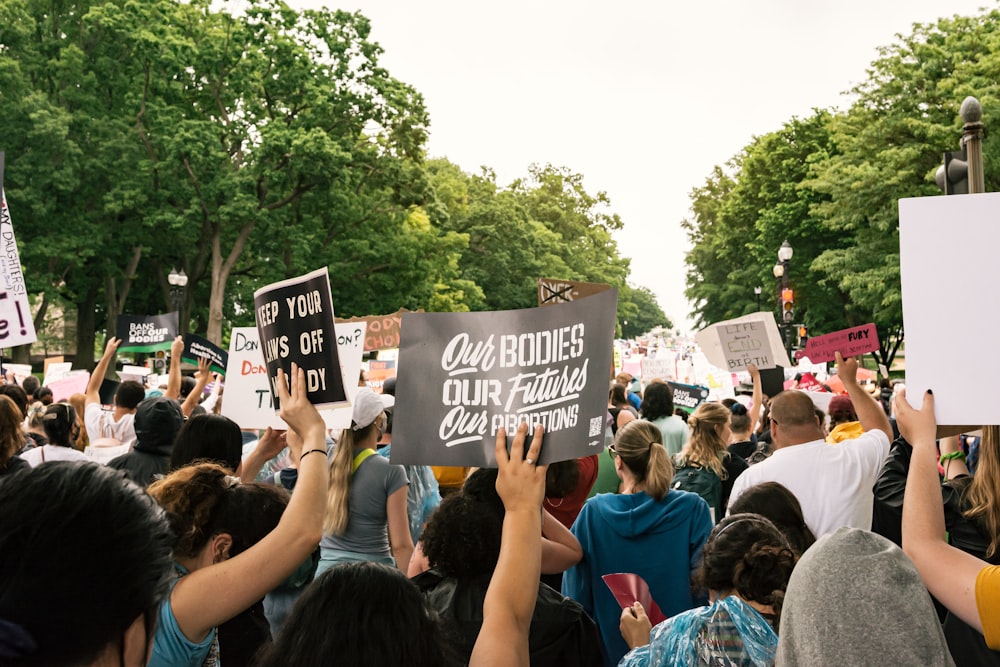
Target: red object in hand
630,588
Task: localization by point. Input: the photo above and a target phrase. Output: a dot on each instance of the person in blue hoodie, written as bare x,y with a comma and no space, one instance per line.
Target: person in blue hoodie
648,529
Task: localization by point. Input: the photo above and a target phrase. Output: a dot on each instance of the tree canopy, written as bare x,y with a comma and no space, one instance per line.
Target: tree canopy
249,147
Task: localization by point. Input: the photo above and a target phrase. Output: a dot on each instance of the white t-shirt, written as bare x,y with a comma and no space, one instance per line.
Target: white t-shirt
39,455
833,483
101,424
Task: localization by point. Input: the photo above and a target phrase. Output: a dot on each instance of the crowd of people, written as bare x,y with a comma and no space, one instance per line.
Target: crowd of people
752,531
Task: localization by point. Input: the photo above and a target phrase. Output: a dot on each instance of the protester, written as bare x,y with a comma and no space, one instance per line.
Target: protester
568,485
855,599
844,424
60,424
658,407
777,504
79,403
361,613
20,398
833,484
106,596
119,423
969,587
366,515
213,585
746,566
631,389
157,421
210,438
621,411
705,464
462,543
35,431
11,438
621,532
510,599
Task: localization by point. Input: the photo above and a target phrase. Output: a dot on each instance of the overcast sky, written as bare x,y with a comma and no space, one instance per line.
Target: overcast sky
643,99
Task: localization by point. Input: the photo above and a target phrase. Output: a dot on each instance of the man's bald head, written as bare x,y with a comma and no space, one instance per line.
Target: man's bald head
795,415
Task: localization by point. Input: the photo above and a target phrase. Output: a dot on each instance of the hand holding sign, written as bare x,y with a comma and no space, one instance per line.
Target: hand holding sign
520,479
296,410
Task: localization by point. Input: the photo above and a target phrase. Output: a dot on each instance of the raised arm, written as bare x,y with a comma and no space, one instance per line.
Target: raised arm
949,573
560,548
174,374
870,412
100,370
510,599
201,379
213,594
758,397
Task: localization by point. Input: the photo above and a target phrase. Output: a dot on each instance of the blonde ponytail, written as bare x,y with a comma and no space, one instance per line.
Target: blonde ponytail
338,494
659,472
640,446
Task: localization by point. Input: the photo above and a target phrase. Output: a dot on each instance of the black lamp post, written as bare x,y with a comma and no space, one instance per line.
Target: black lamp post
177,283
785,295
756,292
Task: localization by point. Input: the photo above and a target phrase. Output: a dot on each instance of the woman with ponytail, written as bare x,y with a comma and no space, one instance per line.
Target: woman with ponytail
746,567
229,553
708,450
61,428
648,529
366,517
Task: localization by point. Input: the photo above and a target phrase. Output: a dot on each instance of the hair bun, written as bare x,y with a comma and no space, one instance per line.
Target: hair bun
739,409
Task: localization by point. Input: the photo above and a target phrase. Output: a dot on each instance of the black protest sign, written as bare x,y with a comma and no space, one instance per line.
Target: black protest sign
687,396
196,347
146,333
772,381
463,376
295,324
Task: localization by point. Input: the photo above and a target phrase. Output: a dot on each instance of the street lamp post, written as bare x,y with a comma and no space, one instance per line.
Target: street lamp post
177,283
781,271
756,292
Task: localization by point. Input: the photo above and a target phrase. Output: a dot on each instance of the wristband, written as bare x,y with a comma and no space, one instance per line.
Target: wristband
310,452
950,456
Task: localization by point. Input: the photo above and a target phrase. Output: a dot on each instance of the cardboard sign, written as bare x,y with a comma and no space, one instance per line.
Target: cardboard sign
949,273
16,325
552,291
295,324
146,333
749,340
851,342
247,400
466,375
196,347
56,370
664,368
688,397
382,330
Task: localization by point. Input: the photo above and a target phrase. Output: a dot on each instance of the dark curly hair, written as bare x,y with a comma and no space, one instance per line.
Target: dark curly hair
781,507
657,401
360,614
462,539
748,555
203,500
482,485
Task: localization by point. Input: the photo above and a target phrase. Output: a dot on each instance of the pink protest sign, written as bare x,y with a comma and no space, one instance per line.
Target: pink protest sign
849,342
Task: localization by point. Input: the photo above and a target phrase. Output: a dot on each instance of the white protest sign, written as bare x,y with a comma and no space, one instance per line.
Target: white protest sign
247,399
57,370
949,275
16,325
663,366
17,371
736,344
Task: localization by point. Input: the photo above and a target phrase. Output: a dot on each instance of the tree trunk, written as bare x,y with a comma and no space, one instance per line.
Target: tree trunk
86,322
221,269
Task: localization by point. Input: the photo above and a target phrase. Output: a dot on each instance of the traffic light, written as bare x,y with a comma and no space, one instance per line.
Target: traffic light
953,176
787,305
803,335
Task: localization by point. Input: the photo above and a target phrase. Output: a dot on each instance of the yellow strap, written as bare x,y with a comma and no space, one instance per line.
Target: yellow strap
360,457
